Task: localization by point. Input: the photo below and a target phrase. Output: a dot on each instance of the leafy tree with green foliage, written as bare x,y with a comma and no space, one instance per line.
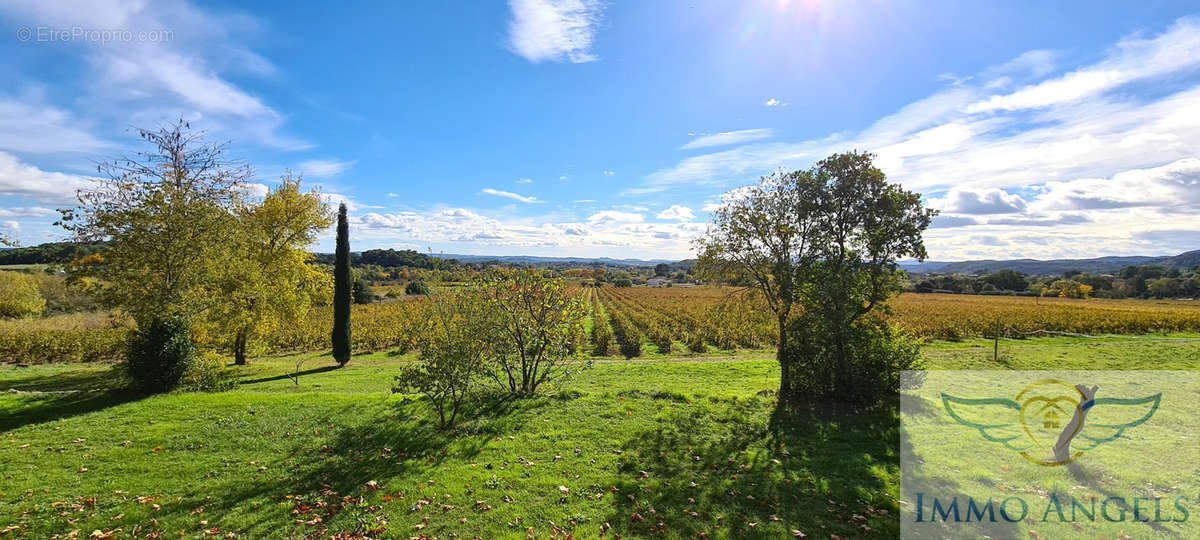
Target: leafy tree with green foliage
160,353
393,258
536,319
827,240
341,290
1164,287
361,290
19,295
455,347
416,287
662,269
1007,280
167,216
270,281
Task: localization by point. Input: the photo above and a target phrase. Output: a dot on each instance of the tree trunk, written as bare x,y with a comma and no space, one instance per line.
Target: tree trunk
239,348
785,363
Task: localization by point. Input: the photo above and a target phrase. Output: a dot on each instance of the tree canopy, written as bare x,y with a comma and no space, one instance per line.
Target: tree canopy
825,239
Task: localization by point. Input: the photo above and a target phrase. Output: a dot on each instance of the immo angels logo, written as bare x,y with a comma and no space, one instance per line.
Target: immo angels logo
1052,422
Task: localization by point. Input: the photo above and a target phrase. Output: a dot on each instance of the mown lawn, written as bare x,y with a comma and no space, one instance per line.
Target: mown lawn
664,448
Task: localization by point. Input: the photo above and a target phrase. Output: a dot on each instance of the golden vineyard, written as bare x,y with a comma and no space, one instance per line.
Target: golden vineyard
639,321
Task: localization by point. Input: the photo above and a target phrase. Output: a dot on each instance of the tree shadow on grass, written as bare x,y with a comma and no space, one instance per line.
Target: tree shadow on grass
1093,480
83,379
313,371
725,474
916,478
49,407
372,454
324,488
63,395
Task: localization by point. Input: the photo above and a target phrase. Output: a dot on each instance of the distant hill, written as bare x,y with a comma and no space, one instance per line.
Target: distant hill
527,259
1034,267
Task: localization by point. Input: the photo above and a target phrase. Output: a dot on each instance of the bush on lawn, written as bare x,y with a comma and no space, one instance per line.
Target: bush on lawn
160,354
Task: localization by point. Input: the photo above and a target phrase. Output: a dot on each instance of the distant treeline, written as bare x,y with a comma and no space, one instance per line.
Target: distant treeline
387,258
1150,281
51,253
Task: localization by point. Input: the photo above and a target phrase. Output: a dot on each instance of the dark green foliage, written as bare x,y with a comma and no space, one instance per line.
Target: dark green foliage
416,287
622,282
1007,280
857,364
341,291
826,241
695,343
361,291
50,253
160,354
392,258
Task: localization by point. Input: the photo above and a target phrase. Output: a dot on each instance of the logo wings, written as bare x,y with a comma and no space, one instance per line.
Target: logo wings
998,419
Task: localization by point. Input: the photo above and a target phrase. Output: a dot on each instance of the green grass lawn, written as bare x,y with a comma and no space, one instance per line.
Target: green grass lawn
664,447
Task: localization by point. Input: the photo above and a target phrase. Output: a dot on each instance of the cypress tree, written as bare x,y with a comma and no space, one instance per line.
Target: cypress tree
341,291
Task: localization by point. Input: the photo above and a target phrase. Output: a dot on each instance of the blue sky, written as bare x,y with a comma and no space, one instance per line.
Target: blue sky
582,128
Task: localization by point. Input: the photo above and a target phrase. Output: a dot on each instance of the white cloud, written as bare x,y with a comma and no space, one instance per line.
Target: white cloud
511,195
393,194
186,75
774,103
1176,50
1079,159
727,138
584,201
27,212
980,201
727,197
1171,187
524,181
555,30
609,173
325,168
24,180
28,125
611,233
615,216
677,213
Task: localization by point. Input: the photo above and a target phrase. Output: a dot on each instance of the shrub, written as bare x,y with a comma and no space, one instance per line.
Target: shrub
455,346
160,354
601,339
661,339
534,318
19,296
631,348
208,374
622,282
416,287
361,291
695,343
865,370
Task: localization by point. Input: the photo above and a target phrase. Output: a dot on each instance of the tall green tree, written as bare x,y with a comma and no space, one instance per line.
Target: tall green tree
825,240
168,215
342,283
270,281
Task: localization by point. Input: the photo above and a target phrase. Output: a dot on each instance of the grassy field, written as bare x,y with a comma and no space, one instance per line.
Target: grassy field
664,447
